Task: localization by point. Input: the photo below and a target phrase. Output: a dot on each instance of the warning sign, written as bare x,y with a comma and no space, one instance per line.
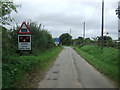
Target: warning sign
24,29
24,42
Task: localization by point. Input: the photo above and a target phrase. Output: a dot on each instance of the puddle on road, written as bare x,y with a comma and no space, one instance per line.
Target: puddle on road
56,72
52,79
48,79
58,65
55,79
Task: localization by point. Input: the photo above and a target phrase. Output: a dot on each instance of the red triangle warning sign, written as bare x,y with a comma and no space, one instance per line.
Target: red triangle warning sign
24,29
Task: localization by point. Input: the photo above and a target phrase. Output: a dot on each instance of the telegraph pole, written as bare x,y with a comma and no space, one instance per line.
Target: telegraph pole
102,27
70,31
118,21
84,30
118,14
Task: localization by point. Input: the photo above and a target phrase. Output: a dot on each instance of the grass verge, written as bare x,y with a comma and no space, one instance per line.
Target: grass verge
106,60
15,70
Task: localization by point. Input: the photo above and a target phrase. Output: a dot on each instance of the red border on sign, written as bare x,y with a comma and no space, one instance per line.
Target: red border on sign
24,32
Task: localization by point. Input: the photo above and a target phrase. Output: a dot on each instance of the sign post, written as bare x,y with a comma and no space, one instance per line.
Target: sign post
56,41
24,37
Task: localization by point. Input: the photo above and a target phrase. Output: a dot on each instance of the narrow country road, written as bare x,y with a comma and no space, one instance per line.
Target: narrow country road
72,71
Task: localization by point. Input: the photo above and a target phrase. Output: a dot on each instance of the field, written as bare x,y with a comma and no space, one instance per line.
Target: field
16,69
106,60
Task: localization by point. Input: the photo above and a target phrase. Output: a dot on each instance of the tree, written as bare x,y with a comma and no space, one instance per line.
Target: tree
79,40
65,39
87,40
7,7
95,40
41,39
107,41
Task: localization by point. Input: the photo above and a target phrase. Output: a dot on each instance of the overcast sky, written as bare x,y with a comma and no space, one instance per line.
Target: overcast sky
58,16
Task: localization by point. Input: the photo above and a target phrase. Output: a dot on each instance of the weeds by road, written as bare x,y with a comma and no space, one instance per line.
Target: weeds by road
106,60
16,69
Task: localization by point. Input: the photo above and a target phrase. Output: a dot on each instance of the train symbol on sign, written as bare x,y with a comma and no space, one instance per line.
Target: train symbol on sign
24,29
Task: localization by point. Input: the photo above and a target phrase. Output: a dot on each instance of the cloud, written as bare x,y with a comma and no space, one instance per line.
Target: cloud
59,16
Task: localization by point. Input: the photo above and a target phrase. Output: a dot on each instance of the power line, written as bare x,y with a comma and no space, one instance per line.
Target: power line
93,14
91,17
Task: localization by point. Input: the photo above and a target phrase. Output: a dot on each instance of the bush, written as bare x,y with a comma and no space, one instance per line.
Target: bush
17,63
41,40
15,69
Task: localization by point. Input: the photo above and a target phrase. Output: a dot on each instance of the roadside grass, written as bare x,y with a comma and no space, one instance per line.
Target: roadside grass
106,60
15,69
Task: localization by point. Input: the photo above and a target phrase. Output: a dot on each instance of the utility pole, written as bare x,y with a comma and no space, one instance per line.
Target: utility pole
70,31
43,27
84,30
118,10
102,27
118,14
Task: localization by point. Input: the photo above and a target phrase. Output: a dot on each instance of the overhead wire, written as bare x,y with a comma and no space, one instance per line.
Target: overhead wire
94,12
93,15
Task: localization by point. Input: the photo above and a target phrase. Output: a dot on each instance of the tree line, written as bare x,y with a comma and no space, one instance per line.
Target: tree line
107,41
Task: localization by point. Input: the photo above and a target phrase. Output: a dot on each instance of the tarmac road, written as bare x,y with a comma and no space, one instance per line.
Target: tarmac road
71,71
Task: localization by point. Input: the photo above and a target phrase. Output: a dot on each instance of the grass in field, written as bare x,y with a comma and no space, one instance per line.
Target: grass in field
15,69
105,60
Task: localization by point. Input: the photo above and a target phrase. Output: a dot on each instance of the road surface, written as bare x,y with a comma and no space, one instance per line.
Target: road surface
71,71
